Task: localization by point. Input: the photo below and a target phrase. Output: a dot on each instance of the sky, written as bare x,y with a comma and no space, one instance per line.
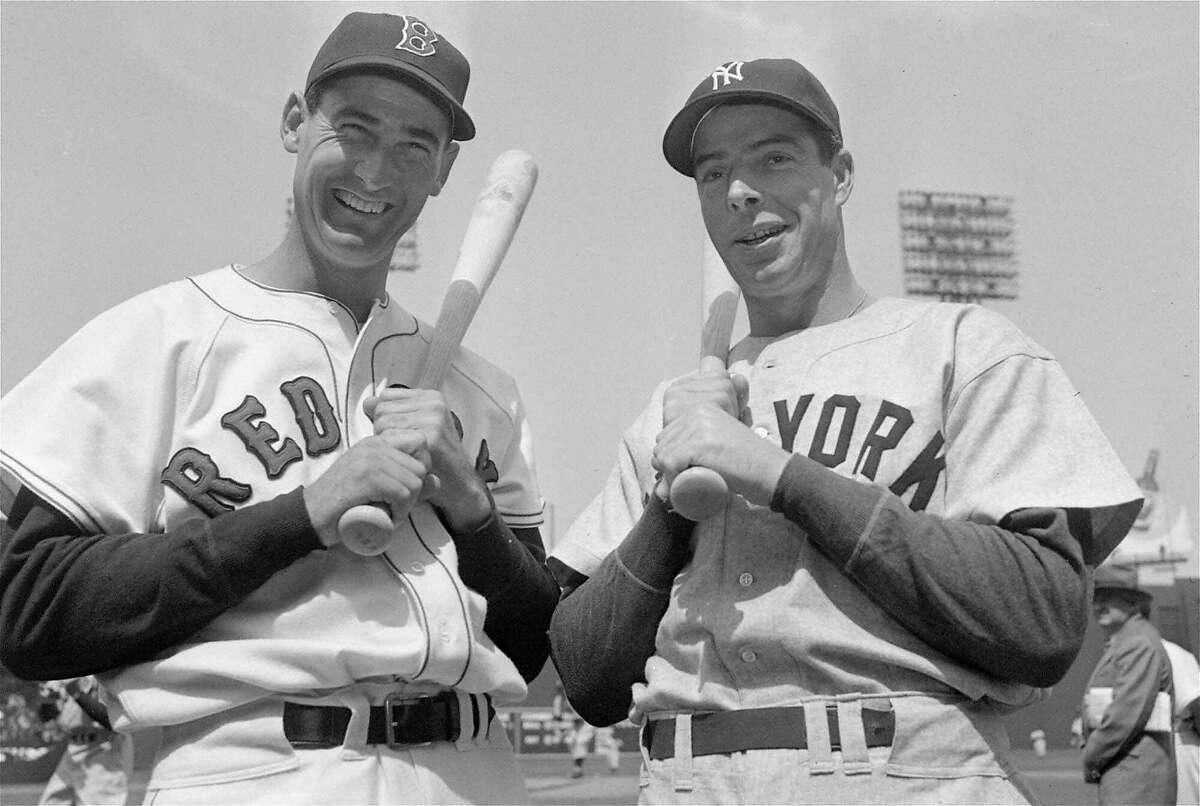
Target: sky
140,144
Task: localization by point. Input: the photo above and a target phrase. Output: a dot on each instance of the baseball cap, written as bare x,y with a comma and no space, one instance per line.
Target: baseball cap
406,46
783,82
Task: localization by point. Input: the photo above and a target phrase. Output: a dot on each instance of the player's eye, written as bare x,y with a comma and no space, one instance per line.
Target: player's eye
710,174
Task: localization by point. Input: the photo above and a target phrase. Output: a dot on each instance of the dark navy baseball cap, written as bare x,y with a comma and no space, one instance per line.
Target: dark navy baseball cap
403,45
782,82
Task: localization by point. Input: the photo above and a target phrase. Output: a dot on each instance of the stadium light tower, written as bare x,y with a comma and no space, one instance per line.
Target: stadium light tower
957,246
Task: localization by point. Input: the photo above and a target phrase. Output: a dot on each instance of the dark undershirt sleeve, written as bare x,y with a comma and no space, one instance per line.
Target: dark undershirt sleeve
508,567
74,604
1009,599
603,630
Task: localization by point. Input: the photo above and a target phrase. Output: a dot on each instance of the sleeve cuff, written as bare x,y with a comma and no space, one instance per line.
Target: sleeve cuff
835,512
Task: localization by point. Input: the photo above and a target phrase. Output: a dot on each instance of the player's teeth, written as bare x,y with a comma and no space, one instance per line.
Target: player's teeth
362,205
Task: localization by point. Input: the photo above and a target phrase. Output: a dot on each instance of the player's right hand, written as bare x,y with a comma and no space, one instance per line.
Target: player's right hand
391,468
712,385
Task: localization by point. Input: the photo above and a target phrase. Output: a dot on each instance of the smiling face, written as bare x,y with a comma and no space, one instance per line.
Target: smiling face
770,202
367,158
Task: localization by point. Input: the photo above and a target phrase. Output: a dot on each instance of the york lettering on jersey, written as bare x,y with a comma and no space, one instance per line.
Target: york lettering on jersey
835,430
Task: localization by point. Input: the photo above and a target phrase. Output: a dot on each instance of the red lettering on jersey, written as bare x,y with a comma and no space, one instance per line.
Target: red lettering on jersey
314,415
194,475
259,439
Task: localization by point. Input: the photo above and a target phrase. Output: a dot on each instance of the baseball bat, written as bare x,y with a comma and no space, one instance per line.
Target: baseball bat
367,529
699,493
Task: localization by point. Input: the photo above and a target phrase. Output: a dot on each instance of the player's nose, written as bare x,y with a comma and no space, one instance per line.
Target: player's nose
374,170
740,196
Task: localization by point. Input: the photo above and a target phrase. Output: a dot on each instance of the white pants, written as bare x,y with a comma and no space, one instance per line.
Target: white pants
242,757
942,753
431,774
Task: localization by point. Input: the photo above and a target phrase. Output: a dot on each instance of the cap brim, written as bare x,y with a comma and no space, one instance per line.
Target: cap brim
1141,594
461,125
677,142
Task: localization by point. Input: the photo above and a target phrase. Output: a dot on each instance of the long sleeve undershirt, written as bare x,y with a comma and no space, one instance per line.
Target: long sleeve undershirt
1009,600
74,603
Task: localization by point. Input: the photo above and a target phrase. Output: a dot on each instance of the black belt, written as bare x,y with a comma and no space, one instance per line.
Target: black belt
760,729
399,721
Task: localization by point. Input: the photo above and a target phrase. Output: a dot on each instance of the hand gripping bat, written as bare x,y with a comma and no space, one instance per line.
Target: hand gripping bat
699,493
367,528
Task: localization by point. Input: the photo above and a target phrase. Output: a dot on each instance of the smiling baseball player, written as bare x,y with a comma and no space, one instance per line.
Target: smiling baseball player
917,493
183,460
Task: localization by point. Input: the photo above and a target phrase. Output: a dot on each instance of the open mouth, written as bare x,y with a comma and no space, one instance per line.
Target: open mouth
760,235
359,204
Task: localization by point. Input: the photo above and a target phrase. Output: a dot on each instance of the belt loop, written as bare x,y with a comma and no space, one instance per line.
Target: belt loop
681,766
855,758
468,719
354,746
644,749
816,728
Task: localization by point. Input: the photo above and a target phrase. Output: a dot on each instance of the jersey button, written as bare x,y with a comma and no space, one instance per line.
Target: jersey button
762,431
746,579
749,655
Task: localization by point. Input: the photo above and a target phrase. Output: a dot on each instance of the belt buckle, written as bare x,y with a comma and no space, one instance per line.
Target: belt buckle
393,701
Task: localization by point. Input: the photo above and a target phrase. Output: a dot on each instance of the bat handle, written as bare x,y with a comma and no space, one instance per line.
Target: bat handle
366,529
699,493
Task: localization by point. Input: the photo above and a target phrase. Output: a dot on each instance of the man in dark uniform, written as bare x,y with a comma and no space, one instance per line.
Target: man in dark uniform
1127,705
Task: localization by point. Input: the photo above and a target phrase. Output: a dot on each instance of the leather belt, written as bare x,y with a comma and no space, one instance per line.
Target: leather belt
401,720
718,732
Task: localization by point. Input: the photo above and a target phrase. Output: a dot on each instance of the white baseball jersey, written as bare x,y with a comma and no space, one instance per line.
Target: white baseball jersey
216,392
948,406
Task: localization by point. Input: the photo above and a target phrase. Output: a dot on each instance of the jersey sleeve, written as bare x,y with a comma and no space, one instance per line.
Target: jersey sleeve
85,430
1019,435
515,490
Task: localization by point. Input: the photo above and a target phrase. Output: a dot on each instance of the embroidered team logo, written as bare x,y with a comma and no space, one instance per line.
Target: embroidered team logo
723,75
419,38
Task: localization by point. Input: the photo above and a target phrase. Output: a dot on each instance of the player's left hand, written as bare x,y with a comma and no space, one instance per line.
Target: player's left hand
461,495
709,436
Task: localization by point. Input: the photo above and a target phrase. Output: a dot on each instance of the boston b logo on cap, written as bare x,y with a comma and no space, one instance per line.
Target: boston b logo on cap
776,81
403,45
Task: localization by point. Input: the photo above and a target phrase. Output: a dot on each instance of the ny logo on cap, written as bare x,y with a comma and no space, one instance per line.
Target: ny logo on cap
726,73
418,38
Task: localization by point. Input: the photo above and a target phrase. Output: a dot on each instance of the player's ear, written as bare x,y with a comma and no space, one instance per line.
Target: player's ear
295,112
449,154
843,173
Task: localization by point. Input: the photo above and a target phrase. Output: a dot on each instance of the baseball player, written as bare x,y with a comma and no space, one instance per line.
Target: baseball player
97,763
917,491
1127,707
183,461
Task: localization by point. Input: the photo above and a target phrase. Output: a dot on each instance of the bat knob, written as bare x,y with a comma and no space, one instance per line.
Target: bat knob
699,493
366,529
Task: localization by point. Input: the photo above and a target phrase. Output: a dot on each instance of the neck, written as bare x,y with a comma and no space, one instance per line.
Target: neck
837,297
292,266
